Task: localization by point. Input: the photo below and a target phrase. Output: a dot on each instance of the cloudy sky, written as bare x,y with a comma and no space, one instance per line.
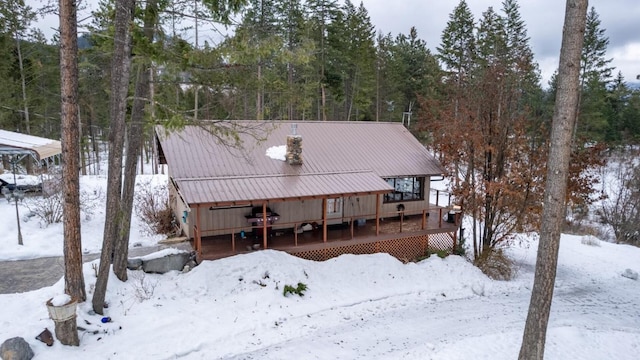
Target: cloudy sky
544,19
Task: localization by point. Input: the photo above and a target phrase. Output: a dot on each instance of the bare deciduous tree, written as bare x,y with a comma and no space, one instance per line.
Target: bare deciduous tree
621,208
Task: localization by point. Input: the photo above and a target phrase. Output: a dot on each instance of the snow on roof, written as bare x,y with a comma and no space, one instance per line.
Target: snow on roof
17,143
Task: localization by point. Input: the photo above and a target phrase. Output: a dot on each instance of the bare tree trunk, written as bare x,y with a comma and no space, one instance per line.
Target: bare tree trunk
83,146
134,142
94,144
67,332
120,70
259,101
23,82
564,118
73,276
154,159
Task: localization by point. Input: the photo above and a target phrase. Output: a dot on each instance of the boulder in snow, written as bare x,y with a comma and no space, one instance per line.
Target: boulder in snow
166,263
630,274
134,264
16,348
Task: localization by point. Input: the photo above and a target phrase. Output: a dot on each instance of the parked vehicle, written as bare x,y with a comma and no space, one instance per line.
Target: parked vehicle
24,187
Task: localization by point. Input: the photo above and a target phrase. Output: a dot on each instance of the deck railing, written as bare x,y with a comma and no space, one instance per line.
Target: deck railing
398,224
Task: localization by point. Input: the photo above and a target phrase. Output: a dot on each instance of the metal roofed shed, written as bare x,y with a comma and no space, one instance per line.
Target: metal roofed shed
13,143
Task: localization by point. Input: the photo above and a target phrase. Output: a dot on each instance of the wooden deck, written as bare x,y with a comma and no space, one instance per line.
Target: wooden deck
395,237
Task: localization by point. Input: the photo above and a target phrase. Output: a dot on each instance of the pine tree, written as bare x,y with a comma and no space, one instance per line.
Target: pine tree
351,76
595,75
534,337
321,14
74,278
409,71
120,70
14,24
457,49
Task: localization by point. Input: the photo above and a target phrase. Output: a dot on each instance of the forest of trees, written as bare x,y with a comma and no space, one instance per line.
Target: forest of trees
477,101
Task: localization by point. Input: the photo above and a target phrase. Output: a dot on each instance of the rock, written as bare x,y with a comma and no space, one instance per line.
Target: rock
16,349
134,264
190,265
46,337
630,274
166,263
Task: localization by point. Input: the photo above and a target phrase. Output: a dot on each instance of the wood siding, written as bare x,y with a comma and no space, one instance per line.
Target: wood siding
227,220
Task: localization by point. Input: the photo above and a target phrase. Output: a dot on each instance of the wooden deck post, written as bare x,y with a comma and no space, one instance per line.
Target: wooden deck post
455,238
424,218
264,225
295,234
401,220
233,242
324,219
377,214
440,219
197,233
352,227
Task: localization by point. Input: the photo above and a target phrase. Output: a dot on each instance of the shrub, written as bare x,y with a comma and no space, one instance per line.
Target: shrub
154,211
460,248
299,290
496,264
590,240
620,210
47,208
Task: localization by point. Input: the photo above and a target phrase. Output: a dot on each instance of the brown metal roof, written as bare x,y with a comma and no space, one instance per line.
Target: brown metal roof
248,189
333,152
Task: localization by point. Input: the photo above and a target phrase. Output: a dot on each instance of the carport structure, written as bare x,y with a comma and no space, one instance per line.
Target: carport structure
18,146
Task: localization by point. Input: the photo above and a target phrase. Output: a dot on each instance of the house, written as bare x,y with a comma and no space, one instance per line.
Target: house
315,189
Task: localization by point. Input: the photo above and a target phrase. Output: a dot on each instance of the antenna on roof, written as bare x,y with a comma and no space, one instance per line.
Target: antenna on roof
407,115
294,129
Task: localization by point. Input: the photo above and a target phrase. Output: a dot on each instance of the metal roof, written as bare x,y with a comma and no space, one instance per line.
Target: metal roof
338,158
17,143
247,189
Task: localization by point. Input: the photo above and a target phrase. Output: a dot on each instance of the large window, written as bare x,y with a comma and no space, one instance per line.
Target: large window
405,189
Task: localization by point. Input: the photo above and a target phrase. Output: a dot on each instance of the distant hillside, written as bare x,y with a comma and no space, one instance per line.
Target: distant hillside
634,85
83,42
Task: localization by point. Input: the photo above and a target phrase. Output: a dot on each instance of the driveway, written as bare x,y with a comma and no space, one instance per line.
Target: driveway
27,275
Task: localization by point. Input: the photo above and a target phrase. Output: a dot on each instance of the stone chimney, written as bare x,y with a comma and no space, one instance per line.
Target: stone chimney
294,147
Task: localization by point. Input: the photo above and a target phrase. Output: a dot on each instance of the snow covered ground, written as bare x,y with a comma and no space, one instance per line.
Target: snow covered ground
41,240
355,307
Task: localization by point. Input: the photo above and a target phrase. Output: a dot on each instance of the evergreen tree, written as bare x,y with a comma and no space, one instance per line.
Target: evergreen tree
595,75
457,47
321,14
617,99
410,71
15,20
352,62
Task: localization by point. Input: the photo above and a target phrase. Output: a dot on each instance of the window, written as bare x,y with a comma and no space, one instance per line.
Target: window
405,189
334,206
